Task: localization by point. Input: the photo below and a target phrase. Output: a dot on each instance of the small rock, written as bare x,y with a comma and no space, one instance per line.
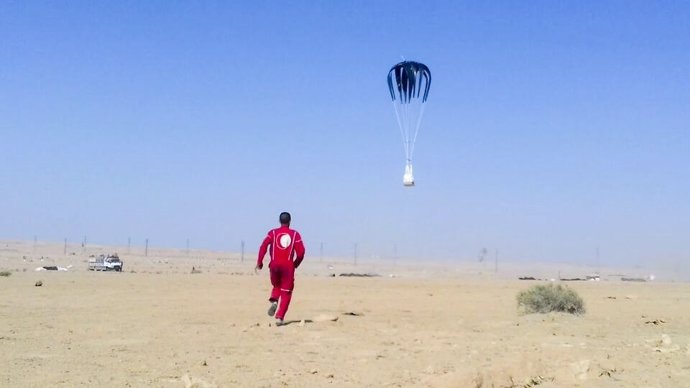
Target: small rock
301,323
38,283
313,371
204,363
666,340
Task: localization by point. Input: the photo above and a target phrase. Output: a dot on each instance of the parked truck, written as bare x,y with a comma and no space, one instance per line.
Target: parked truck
106,263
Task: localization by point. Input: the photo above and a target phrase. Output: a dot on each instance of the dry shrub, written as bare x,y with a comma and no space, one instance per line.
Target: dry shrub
548,298
5,273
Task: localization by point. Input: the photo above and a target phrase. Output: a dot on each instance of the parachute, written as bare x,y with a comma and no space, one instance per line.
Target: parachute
409,83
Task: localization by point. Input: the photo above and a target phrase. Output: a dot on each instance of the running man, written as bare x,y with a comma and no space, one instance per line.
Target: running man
287,252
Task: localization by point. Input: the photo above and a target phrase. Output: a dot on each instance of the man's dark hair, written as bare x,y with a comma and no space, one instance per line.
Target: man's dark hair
285,218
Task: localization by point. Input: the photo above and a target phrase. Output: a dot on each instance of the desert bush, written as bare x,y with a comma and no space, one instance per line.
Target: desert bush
5,273
548,298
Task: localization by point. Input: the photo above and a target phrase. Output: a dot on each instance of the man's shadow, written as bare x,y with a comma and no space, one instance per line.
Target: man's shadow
320,319
290,322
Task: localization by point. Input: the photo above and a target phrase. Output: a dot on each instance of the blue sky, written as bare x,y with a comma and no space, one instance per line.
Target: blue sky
552,128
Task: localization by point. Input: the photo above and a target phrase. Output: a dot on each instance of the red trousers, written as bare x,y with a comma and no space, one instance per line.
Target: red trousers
283,282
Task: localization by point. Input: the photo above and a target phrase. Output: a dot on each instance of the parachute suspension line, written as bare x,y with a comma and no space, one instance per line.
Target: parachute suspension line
406,127
400,127
419,117
416,131
402,112
409,122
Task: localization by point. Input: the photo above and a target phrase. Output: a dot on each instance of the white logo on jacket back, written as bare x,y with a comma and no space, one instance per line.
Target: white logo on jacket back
284,241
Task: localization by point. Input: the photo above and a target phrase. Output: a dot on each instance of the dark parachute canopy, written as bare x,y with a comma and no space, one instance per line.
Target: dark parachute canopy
409,83
411,80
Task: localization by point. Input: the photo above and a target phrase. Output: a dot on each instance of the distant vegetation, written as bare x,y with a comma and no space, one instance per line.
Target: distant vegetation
548,298
5,273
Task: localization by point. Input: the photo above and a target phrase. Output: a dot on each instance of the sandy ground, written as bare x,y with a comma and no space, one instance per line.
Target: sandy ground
156,324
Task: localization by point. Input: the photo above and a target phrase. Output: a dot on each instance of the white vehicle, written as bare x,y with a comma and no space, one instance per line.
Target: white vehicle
105,263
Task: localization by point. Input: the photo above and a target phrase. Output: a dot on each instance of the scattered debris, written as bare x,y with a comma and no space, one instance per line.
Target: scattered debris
610,297
665,345
51,268
38,283
634,279
353,314
595,278
537,380
656,322
5,273
607,372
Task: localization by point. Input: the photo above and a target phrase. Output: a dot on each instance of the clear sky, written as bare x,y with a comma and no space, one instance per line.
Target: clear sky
552,128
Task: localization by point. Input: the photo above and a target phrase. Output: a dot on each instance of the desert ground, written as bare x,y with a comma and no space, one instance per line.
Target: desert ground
157,324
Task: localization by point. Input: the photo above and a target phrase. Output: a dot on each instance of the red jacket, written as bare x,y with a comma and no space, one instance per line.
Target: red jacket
285,244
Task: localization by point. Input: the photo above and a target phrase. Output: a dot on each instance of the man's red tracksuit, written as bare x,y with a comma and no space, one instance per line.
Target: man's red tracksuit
286,244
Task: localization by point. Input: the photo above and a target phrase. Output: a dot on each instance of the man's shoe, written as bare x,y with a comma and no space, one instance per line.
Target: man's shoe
272,309
279,322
